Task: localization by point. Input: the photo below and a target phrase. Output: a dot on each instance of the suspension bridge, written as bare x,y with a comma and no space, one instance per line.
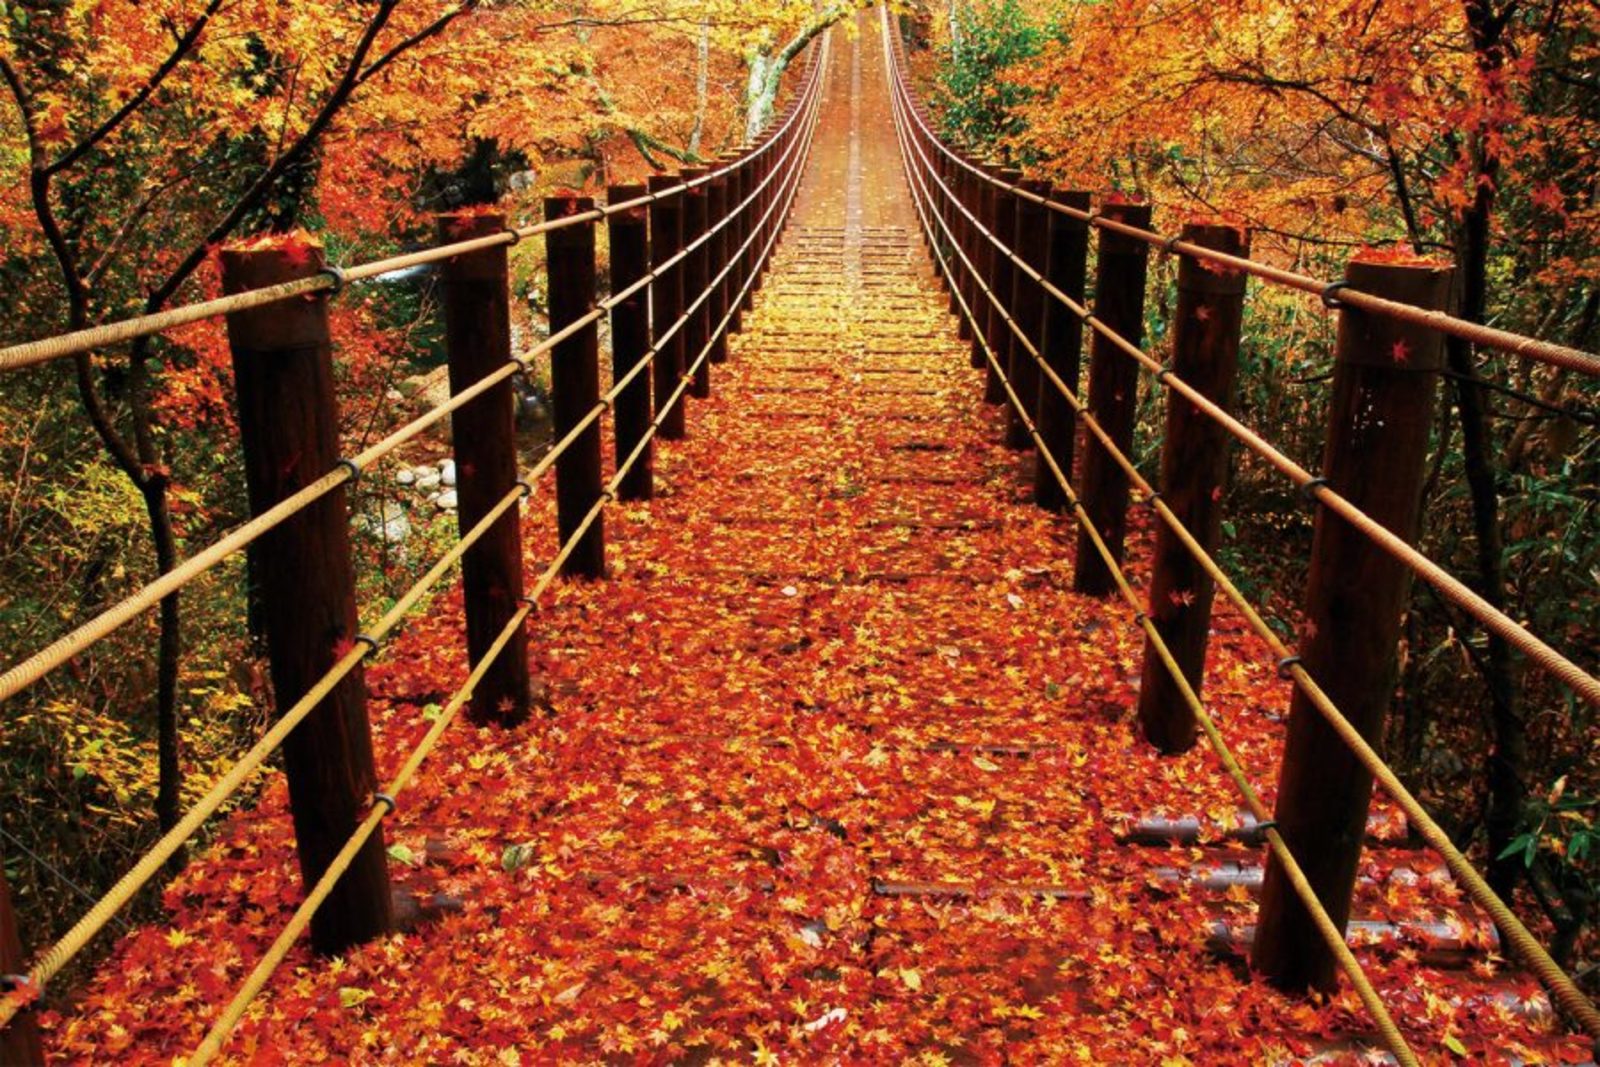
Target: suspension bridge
831,689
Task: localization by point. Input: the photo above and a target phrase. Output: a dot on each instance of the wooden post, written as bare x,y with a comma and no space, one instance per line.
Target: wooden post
575,384
983,202
19,1041
966,195
750,226
1003,224
630,340
289,433
1030,230
1063,344
1194,473
697,330
1113,395
1384,385
666,302
738,189
477,317
716,259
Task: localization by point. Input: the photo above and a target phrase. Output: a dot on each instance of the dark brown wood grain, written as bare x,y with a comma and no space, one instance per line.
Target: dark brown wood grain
575,384
1384,390
477,322
1067,268
289,434
628,235
1194,475
1113,395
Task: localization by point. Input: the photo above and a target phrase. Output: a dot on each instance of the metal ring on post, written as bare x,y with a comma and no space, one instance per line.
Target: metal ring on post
1285,663
526,486
387,800
1309,489
515,235
1166,246
1266,824
350,465
337,275
1152,499
1328,291
367,639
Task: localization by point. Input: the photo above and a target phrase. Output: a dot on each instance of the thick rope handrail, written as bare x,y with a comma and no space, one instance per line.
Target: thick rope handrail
1527,947
50,962
383,803
79,342
1507,341
64,648
1452,588
1329,931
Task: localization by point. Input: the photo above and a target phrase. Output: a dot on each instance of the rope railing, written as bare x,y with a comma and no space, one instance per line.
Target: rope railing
385,803
1392,1037
1332,293
80,342
784,172
59,652
1526,947
1450,587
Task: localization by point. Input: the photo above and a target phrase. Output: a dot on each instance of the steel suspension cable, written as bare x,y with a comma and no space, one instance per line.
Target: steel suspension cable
1528,949
1329,931
383,805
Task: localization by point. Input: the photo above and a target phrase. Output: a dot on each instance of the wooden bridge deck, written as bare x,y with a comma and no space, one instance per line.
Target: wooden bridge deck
838,769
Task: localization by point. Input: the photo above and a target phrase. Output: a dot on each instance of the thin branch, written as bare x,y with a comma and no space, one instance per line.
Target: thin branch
185,44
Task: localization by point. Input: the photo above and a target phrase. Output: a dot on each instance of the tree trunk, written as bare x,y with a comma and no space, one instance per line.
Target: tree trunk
1507,760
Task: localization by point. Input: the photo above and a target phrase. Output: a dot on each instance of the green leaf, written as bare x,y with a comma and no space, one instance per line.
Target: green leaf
516,857
1520,843
401,854
1453,1043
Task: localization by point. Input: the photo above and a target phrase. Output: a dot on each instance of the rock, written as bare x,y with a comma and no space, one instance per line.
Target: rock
428,482
387,521
447,472
447,500
406,477
394,396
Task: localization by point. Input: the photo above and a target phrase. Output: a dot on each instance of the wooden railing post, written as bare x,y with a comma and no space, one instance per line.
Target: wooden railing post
1384,391
1029,232
575,384
1002,274
972,199
696,212
1063,344
1113,395
1194,473
628,236
749,181
666,302
738,189
19,1041
289,433
982,252
717,208
477,317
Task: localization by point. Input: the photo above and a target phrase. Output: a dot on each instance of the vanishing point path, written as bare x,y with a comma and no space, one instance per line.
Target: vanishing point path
837,769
